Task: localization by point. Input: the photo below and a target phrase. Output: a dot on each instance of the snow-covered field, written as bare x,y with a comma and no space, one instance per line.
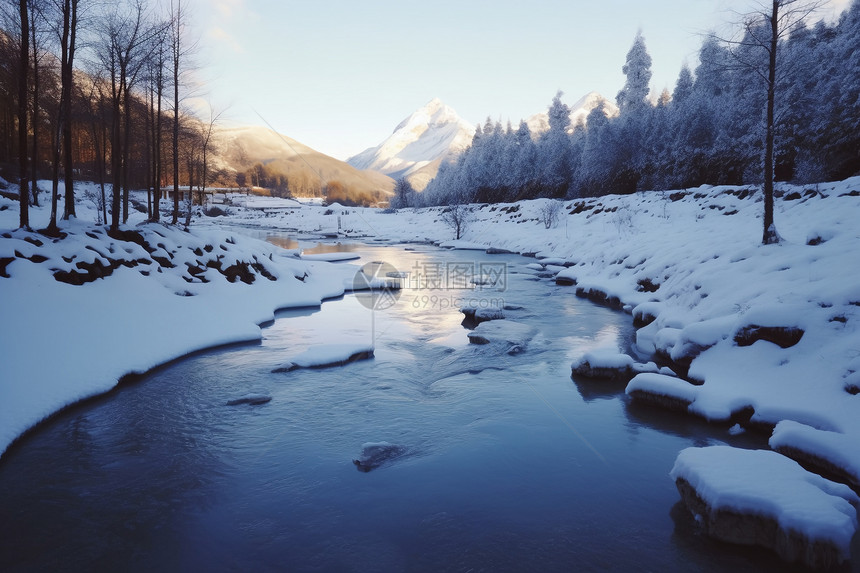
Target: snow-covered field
690,261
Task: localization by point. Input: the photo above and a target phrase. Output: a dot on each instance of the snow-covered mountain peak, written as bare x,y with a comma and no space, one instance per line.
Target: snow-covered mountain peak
418,143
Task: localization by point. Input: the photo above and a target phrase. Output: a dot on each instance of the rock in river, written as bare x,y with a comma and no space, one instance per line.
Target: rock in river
374,454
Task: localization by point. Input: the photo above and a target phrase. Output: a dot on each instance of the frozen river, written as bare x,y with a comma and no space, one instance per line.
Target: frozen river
507,465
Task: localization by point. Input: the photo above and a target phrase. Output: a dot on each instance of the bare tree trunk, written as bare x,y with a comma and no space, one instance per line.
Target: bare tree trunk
770,236
125,154
115,154
35,157
175,44
70,23
158,137
101,164
24,215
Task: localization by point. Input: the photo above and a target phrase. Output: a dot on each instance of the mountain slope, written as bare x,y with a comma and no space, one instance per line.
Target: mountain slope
307,170
539,123
418,144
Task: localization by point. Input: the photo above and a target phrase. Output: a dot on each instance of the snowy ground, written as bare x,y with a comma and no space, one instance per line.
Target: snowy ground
691,260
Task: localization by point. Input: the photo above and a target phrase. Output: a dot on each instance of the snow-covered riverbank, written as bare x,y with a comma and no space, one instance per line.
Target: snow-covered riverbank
151,295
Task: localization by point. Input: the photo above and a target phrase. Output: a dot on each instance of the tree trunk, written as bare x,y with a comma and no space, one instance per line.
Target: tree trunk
176,141
770,236
35,157
23,184
158,127
125,154
70,22
115,154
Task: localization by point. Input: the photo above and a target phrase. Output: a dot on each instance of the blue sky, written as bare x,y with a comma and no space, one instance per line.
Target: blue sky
340,75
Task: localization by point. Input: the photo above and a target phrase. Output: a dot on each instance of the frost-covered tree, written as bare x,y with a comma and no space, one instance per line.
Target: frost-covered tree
403,194
684,86
555,150
637,68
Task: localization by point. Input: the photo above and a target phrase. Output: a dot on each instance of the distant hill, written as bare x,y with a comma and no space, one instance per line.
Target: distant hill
306,170
418,145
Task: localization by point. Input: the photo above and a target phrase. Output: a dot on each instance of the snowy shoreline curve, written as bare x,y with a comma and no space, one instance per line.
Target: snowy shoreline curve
148,298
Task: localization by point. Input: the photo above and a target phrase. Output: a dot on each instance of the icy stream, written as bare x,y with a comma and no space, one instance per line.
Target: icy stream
507,464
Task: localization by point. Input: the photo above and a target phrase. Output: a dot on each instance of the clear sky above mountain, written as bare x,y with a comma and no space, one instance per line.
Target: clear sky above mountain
339,75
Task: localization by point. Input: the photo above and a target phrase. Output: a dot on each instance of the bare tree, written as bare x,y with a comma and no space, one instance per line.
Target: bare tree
763,32
122,36
458,217
208,141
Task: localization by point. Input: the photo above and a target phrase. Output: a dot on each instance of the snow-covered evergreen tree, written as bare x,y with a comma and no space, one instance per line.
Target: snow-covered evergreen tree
637,68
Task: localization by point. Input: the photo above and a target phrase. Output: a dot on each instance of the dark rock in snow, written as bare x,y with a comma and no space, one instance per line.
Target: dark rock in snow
375,454
782,336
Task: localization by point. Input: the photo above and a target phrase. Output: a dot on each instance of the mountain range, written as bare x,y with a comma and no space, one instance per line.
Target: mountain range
418,145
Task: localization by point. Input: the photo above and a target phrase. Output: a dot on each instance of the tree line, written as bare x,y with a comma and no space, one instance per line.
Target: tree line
779,84
93,90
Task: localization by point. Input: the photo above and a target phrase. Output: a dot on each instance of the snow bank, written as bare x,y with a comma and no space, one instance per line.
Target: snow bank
65,342
808,509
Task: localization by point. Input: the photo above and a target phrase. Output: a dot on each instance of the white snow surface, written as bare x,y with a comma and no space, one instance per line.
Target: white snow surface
765,483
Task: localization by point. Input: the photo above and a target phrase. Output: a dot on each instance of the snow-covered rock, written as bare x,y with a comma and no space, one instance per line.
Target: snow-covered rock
759,497
660,389
610,364
328,355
